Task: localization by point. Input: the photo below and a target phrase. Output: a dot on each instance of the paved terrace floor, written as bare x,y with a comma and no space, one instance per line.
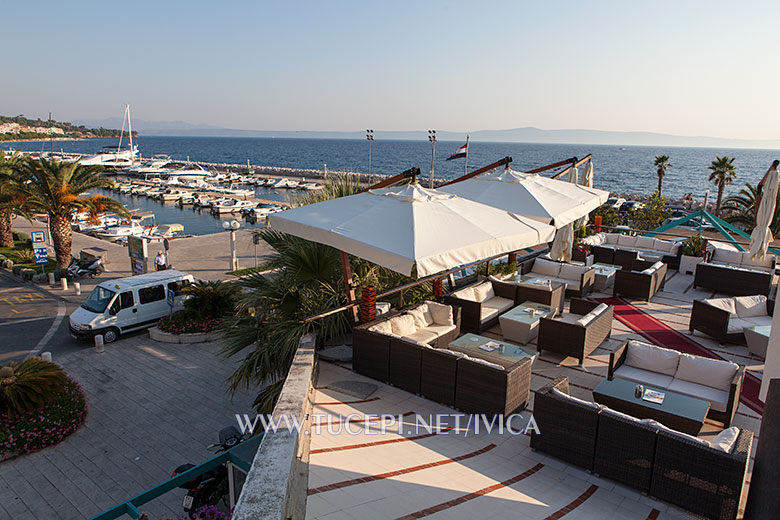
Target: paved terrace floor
486,476
152,407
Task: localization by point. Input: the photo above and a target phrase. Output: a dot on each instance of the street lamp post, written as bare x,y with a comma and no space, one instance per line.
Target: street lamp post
432,139
232,226
370,139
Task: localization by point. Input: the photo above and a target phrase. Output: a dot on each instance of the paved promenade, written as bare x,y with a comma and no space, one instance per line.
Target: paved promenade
152,407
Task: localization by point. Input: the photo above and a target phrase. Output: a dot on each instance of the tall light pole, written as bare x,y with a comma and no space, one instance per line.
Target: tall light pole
232,226
370,139
432,139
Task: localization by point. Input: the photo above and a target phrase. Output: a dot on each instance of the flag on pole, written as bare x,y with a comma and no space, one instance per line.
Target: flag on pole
461,152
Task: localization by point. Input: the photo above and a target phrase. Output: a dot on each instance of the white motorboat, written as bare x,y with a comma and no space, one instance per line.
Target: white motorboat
138,190
134,228
101,222
154,192
262,210
231,190
125,188
232,206
116,156
156,164
171,195
208,203
169,230
310,186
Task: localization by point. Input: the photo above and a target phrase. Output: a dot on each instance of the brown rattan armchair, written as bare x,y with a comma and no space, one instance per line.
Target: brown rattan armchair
729,280
483,389
639,285
569,338
471,311
567,428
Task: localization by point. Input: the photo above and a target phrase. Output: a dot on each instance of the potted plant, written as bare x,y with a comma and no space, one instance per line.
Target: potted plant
693,249
580,252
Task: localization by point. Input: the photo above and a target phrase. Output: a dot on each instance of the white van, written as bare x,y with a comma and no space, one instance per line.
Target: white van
126,304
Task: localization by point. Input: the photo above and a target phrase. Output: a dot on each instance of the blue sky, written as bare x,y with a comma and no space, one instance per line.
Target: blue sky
689,68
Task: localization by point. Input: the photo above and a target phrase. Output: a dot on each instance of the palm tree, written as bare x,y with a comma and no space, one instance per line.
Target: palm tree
662,164
740,210
723,173
9,201
58,188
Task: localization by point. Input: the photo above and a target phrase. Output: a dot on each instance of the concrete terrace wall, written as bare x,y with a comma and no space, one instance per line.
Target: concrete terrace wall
276,485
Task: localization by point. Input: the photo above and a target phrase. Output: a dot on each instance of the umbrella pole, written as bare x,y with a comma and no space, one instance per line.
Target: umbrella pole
347,270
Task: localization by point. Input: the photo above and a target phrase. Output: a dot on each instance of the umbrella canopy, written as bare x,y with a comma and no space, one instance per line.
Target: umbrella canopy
761,237
564,237
405,226
541,198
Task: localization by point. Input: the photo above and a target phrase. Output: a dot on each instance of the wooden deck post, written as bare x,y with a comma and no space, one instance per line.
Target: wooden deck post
347,270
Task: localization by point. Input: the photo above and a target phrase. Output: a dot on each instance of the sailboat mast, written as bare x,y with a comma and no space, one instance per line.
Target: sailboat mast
130,131
122,132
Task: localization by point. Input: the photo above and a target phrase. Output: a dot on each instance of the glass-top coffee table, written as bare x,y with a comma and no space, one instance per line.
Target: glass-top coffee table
505,353
521,323
757,339
534,289
605,276
679,412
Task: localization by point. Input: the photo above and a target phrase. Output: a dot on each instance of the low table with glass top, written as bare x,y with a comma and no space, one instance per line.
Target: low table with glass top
521,323
679,412
757,339
533,289
505,353
604,276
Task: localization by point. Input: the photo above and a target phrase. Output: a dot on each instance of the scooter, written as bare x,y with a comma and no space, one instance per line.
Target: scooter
212,486
78,269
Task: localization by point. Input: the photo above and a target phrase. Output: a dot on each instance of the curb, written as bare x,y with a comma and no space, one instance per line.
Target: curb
185,339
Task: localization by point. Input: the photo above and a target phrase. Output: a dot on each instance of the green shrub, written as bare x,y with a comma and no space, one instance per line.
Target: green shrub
497,269
210,299
27,273
609,217
184,323
28,385
653,215
20,236
24,256
60,273
694,245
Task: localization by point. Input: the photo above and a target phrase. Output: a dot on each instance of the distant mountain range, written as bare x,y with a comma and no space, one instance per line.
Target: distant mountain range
524,135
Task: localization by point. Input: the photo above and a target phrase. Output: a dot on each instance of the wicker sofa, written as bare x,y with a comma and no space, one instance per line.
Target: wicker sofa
482,302
706,478
383,351
713,380
642,281
577,278
726,319
622,250
729,271
577,333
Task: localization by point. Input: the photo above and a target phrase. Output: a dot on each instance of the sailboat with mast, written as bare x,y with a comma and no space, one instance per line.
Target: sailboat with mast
116,156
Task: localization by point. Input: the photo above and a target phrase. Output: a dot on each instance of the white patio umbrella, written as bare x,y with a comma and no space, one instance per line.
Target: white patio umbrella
547,200
587,176
564,237
761,236
401,227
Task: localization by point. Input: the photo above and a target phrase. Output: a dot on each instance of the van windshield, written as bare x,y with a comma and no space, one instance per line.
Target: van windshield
98,300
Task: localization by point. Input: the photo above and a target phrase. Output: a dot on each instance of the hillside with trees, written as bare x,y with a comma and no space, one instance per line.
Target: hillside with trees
19,128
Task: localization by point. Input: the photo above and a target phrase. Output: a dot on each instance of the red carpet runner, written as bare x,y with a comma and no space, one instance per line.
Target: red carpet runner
663,335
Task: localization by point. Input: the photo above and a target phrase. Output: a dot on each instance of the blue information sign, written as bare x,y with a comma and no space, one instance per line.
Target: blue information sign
37,237
41,255
170,298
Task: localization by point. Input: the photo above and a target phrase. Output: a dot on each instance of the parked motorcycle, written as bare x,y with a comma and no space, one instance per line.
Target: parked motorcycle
212,486
91,268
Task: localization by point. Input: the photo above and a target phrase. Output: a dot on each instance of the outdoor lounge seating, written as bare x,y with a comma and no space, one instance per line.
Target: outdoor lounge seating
577,333
484,387
482,302
622,250
388,348
704,477
578,279
713,380
725,319
734,272
642,281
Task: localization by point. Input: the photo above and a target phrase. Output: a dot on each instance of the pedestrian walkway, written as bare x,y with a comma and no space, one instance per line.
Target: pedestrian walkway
152,407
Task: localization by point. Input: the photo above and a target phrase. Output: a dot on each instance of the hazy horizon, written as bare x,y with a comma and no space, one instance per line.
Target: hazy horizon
693,69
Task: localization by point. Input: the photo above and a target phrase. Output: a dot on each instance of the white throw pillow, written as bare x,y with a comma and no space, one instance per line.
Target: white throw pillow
419,317
560,394
708,372
726,304
586,319
728,256
546,267
403,325
626,241
645,243
442,314
750,306
484,291
725,440
765,263
652,358
664,245
612,238
383,327
427,316
467,293
572,272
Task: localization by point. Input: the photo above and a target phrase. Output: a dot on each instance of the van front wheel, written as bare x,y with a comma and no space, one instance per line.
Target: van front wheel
110,335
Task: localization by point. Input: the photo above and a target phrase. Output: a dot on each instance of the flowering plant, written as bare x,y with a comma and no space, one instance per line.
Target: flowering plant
47,425
183,322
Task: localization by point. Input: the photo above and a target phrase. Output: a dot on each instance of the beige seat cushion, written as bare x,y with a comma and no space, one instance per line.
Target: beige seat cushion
728,256
645,377
726,439
759,320
750,306
440,330
441,313
606,410
737,325
626,241
572,272
709,372
665,246
719,399
592,315
646,243
726,304
544,267
765,263
422,336
383,327
419,317
467,293
649,357
570,318
427,316
486,313
484,291
498,303
612,238
403,325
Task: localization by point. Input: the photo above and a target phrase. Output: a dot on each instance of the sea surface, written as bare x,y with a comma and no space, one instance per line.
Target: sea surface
622,169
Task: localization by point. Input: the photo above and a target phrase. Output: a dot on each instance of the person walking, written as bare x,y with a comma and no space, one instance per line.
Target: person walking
160,261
